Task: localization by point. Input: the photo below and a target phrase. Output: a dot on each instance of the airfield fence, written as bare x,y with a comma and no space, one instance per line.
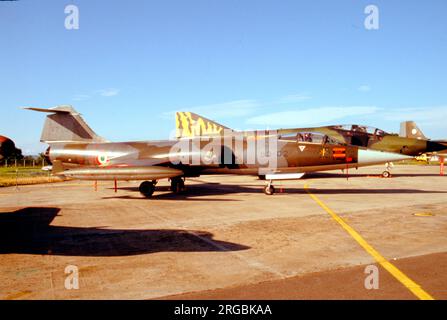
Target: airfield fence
25,171
24,163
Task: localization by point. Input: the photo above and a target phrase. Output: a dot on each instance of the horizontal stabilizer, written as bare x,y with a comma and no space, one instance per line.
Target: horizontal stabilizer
58,109
65,124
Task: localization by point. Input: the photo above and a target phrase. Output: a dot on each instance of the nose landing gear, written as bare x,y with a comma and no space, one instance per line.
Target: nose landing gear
387,172
269,188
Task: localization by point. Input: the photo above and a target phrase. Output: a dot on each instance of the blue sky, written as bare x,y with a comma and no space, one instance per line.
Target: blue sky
249,64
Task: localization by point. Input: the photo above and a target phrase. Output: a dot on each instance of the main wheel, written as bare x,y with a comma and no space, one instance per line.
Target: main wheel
386,174
269,190
177,185
147,188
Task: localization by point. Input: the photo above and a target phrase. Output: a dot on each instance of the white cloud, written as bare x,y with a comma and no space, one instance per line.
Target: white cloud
416,114
428,116
364,88
231,109
294,98
108,92
431,120
238,108
310,117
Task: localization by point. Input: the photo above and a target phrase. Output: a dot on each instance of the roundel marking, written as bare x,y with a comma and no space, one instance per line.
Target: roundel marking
102,159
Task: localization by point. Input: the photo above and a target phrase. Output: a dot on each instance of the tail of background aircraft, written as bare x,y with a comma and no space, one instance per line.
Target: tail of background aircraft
189,124
65,124
409,129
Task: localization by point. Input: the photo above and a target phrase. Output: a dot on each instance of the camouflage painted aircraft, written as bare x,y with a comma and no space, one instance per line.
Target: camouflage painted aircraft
76,151
409,129
411,141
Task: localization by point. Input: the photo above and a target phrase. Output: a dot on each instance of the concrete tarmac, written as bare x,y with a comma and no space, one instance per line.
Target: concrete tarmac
225,239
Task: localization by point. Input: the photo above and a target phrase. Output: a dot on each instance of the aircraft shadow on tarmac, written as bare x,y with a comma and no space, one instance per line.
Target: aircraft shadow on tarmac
192,192
207,189
28,231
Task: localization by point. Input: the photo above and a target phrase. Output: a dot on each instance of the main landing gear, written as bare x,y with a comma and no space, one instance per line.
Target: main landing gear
269,188
147,188
177,184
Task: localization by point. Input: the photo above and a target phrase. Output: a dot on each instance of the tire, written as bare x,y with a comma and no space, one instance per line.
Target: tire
386,174
147,189
269,190
177,185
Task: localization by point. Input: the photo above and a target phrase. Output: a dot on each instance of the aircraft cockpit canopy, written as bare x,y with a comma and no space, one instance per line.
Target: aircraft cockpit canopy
355,128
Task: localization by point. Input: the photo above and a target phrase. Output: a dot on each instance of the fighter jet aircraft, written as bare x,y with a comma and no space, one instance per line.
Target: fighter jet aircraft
411,141
409,129
76,151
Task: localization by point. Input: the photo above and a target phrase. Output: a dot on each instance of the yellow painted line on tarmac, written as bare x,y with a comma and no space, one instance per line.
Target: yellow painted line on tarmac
392,269
424,214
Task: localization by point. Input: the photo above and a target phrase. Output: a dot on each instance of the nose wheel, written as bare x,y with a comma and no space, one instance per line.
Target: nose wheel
177,185
269,189
386,174
147,188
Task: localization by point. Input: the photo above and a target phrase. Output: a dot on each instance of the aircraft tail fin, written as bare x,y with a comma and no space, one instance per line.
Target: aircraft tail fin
65,124
189,124
409,129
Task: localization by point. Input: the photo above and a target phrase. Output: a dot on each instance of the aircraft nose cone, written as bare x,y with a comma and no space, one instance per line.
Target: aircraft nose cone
366,156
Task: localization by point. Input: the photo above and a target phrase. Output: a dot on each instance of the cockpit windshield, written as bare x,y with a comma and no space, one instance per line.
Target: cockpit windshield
361,129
